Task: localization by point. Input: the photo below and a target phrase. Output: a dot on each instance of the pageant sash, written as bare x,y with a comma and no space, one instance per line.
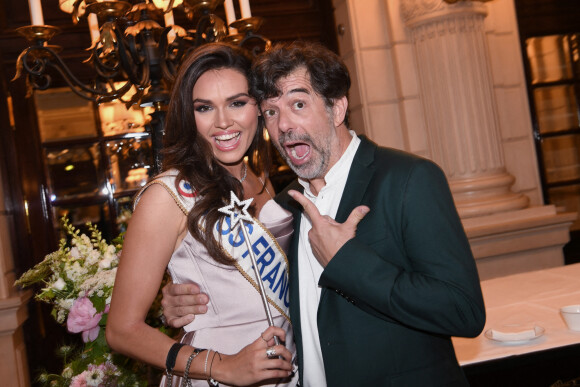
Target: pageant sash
270,258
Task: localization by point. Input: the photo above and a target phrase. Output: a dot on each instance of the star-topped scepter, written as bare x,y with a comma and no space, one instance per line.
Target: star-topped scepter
238,213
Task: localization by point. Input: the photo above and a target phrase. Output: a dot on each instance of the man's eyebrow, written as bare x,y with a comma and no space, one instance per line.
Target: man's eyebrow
299,90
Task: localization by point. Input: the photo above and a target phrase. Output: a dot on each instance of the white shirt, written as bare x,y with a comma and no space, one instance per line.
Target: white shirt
309,270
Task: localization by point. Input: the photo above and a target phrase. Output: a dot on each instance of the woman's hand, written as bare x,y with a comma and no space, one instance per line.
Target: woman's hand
252,364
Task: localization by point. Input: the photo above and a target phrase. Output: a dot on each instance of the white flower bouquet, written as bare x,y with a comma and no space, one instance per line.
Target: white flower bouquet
78,282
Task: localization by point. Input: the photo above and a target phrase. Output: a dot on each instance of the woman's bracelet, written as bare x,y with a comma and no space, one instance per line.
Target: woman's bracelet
195,352
205,364
170,361
211,381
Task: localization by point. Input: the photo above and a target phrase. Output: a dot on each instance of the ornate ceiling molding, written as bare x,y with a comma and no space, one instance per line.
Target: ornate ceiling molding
412,9
416,12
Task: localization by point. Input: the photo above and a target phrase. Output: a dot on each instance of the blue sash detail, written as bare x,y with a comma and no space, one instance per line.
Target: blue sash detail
271,260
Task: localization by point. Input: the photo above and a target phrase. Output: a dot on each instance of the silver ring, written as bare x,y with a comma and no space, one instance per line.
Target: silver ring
162,318
270,352
263,337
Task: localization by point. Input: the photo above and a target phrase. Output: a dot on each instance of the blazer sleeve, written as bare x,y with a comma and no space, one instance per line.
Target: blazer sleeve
421,273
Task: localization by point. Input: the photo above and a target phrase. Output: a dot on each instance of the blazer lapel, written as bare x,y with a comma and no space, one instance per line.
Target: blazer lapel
293,281
293,269
359,177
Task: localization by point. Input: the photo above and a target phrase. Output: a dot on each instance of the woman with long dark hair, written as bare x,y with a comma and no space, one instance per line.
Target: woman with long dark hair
213,146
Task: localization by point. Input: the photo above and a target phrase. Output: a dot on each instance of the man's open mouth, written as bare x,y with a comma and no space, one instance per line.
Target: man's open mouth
297,151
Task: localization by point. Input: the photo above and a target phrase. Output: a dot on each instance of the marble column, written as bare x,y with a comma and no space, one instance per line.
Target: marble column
13,307
13,362
459,104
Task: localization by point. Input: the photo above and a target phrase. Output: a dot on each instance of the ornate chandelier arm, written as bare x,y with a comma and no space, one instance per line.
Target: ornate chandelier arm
103,55
117,55
133,63
35,61
103,69
129,44
84,91
38,68
168,60
118,92
203,28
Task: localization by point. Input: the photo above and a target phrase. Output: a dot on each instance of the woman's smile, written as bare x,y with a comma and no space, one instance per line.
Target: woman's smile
227,141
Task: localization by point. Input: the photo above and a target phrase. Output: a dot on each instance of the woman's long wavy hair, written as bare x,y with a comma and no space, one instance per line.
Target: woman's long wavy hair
191,154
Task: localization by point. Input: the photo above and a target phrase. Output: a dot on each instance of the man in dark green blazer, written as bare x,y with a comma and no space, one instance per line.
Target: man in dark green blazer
386,274
381,272
393,295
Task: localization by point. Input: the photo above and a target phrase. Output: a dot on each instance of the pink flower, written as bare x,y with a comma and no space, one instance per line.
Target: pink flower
83,317
79,380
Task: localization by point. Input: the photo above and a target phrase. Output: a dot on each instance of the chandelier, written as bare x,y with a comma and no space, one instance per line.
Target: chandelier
131,52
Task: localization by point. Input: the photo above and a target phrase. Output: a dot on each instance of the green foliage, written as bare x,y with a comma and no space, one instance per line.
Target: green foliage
82,271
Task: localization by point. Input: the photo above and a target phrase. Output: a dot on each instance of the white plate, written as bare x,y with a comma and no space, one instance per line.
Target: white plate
508,338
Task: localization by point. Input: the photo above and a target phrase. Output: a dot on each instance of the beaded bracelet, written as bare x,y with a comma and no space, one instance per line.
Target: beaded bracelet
186,382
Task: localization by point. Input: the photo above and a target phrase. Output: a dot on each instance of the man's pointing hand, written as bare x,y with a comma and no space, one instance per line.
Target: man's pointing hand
327,236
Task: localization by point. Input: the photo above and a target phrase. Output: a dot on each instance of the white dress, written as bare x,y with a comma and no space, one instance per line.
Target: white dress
235,316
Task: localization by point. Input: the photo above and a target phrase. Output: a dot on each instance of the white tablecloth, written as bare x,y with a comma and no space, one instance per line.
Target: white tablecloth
524,299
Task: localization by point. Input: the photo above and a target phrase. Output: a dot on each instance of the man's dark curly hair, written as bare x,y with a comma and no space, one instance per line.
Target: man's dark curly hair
328,73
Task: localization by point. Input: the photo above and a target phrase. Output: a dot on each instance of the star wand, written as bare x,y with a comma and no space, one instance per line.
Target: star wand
238,213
